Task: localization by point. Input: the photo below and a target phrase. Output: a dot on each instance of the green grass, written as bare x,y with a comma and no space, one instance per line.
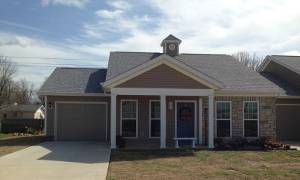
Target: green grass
204,164
9,145
3,135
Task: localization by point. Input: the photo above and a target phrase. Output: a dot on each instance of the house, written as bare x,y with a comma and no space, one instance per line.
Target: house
285,72
22,111
160,100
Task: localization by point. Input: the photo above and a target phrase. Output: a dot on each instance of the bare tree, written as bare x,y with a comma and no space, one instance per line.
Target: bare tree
252,61
22,92
7,70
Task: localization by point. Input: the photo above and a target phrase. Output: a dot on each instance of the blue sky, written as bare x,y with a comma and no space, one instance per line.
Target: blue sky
87,30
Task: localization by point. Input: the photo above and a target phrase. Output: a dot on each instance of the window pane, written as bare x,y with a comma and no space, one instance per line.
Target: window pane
128,109
250,110
129,128
223,128
223,110
250,129
155,109
155,128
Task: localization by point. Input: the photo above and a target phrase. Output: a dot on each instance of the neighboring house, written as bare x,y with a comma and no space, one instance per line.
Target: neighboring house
22,111
160,99
285,72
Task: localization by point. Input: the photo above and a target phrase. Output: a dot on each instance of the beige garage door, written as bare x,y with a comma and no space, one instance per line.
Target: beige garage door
81,121
288,122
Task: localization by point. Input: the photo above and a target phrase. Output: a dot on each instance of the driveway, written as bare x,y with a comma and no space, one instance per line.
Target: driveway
57,160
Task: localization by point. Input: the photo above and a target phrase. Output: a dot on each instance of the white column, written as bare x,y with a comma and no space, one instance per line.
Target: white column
200,121
163,123
210,121
113,121
46,115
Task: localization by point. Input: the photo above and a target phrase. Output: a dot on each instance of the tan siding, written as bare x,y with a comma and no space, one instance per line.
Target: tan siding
163,77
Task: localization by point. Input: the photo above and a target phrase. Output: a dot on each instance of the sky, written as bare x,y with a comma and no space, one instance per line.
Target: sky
39,35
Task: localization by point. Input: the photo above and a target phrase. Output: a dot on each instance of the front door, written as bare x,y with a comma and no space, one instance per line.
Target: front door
185,116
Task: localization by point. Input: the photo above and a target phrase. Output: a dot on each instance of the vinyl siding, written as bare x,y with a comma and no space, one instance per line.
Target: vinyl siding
163,77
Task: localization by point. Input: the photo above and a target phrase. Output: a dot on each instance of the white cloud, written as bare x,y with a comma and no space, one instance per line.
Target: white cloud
109,14
23,47
120,5
206,26
74,3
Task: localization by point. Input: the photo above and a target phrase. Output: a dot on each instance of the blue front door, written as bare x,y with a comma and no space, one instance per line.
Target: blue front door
185,113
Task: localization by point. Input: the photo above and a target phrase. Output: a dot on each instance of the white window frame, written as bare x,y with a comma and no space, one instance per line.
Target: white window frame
136,117
150,118
257,102
216,118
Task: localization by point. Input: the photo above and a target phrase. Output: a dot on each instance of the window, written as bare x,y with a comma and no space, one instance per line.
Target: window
129,118
223,117
251,119
154,118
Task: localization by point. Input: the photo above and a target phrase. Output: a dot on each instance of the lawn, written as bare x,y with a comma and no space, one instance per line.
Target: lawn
204,164
3,135
9,145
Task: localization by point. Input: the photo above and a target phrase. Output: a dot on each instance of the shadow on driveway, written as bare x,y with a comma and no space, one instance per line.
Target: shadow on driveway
81,152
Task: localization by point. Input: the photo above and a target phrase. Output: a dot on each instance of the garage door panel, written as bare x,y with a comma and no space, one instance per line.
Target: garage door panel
288,122
81,122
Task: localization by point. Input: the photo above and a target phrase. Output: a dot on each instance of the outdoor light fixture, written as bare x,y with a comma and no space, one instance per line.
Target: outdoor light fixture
49,105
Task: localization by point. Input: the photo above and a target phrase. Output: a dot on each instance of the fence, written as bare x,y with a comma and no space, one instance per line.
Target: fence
21,125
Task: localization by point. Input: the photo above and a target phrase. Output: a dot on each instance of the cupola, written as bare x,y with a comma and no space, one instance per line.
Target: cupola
171,45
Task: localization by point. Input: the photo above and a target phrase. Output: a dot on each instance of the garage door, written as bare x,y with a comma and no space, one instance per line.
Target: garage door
81,121
288,122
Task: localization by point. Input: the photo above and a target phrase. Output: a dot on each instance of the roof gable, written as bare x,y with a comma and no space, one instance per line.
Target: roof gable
168,78
163,59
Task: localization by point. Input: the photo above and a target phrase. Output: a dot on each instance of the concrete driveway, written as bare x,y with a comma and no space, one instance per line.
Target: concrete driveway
57,160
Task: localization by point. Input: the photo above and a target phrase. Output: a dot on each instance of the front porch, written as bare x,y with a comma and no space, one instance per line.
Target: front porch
199,124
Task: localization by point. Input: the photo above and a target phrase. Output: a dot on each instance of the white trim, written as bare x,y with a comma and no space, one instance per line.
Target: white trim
113,121
288,97
163,121
264,64
136,117
200,140
169,61
287,104
216,118
162,91
46,115
73,94
258,128
77,102
195,116
150,118
211,122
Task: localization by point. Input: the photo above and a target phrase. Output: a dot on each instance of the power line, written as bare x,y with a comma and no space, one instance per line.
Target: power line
31,64
51,58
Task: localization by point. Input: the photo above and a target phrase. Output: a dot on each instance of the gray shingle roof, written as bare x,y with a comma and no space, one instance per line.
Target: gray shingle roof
286,88
74,80
22,107
171,38
223,68
290,62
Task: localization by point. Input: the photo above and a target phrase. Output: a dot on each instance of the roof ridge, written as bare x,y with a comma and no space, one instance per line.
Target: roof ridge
204,54
285,55
135,52
80,68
